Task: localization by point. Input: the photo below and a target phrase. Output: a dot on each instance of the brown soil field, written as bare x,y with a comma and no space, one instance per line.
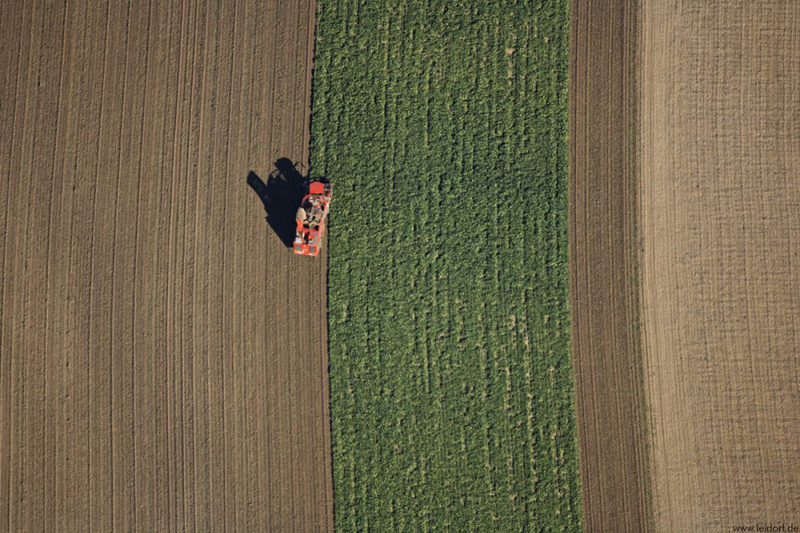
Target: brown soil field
604,268
685,263
163,355
719,154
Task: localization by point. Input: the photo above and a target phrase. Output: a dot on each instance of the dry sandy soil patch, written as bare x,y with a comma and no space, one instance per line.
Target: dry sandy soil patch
720,227
163,356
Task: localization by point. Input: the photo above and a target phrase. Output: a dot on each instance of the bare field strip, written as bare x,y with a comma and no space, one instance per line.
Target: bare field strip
163,361
719,155
603,268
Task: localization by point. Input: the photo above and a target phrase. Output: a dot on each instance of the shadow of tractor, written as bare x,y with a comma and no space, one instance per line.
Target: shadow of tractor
281,195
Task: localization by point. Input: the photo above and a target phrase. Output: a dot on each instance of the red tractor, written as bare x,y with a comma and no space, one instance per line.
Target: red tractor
310,219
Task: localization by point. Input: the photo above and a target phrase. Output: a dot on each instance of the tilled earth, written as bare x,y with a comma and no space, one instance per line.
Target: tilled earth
604,267
720,229
685,263
163,358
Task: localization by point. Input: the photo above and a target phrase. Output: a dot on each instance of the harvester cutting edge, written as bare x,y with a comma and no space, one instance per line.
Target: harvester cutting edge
311,217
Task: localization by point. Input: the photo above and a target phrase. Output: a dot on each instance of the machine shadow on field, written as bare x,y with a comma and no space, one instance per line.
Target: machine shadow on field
281,195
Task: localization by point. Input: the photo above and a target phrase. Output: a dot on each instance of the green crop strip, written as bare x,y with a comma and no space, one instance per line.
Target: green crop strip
442,125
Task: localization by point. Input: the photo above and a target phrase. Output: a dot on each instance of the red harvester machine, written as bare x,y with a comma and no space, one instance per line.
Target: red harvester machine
310,219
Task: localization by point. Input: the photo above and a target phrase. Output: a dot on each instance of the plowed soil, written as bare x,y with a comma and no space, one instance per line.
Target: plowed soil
163,360
720,227
604,267
685,262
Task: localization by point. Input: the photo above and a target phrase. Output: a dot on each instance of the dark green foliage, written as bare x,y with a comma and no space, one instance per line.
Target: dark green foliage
442,125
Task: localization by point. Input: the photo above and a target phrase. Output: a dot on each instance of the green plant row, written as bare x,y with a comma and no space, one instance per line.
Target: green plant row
442,125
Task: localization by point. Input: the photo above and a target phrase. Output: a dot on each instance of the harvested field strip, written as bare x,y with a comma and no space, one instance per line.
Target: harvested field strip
720,226
604,257
442,126
156,370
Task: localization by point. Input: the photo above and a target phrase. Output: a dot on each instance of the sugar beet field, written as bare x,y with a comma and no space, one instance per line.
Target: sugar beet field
443,127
